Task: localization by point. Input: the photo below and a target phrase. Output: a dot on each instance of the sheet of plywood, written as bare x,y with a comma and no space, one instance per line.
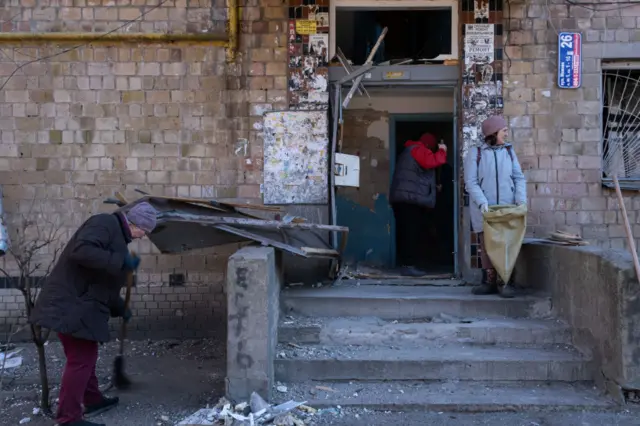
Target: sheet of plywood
295,157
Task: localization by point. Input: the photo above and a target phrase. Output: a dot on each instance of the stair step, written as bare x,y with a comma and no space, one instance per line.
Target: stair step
405,282
377,332
406,302
451,396
450,362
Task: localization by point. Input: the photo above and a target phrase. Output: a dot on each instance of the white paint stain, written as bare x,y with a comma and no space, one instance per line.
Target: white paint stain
374,162
241,147
380,130
546,93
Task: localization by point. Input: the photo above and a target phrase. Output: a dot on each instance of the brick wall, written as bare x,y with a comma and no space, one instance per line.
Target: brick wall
79,125
557,131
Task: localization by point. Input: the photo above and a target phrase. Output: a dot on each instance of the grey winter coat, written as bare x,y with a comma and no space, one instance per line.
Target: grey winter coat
83,289
497,180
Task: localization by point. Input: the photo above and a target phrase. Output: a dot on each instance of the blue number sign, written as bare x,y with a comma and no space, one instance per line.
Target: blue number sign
569,60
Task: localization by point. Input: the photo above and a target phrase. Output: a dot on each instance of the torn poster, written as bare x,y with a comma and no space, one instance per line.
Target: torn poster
296,157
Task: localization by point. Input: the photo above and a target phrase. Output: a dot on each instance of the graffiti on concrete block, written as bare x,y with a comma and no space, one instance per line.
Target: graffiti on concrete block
240,317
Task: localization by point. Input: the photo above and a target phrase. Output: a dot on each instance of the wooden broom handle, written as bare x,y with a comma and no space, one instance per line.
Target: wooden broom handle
127,300
627,228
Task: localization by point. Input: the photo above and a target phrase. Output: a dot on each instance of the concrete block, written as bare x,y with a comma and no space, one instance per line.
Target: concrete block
253,291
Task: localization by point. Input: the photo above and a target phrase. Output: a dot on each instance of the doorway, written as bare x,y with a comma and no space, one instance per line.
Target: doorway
432,240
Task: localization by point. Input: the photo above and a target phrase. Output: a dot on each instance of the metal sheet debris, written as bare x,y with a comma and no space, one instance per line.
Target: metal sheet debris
190,224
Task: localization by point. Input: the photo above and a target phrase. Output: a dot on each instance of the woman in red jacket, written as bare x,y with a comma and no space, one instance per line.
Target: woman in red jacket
413,196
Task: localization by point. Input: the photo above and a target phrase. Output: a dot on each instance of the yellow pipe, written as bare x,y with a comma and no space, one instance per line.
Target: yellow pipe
83,37
232,31
229,40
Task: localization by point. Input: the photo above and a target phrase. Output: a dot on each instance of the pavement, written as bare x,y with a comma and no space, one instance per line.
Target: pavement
173,379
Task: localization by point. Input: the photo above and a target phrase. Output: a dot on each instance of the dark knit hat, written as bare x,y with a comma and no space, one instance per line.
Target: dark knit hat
143,216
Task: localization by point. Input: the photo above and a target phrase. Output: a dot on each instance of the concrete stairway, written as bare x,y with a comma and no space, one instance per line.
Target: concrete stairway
433,348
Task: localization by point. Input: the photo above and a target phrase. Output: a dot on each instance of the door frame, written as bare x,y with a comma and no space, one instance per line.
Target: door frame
428,117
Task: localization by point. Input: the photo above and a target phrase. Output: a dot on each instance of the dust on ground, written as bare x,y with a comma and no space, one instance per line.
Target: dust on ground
173,379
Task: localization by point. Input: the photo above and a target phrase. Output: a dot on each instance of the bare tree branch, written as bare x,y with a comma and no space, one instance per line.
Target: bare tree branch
35,244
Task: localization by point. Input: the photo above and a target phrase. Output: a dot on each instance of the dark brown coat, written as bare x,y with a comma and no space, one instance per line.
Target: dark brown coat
83,289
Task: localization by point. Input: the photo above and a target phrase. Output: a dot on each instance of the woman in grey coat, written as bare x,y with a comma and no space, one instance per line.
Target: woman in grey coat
492,176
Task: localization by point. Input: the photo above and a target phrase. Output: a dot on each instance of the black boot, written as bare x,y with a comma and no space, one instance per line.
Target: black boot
83,423
106,405
489,283
506,291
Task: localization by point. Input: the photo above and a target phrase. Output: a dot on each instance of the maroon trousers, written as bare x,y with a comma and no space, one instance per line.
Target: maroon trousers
79,382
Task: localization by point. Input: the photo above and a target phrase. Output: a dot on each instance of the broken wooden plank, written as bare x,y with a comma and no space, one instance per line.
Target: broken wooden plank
320,252
369,60
258,223
262,240
121,198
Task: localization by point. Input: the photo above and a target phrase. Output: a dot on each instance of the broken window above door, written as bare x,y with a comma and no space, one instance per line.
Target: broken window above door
415,35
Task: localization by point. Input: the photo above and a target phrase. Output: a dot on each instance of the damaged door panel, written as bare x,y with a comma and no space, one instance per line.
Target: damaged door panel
187,224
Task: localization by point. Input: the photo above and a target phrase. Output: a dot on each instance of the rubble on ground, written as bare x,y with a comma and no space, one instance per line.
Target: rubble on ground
255,412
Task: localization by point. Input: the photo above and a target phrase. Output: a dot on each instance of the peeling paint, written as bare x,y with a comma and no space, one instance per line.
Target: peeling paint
379,129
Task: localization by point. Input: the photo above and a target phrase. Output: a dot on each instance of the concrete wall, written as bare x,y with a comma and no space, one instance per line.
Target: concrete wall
596,291
557,132
101,118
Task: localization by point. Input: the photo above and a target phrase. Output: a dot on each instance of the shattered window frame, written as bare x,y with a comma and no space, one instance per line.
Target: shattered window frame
612,70
403,5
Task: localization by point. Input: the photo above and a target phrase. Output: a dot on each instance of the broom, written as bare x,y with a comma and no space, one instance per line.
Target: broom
120,380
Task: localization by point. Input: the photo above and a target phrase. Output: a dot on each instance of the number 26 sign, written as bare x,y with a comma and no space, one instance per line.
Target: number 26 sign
569,60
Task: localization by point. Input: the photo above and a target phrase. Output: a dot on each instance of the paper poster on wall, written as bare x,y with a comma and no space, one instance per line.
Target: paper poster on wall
478,44
322,19
306,27
319,47
481,9
296,161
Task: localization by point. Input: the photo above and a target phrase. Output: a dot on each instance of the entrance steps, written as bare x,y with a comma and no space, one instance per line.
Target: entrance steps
428,348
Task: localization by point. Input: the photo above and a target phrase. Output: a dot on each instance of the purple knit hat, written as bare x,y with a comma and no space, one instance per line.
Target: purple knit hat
493,125
143,216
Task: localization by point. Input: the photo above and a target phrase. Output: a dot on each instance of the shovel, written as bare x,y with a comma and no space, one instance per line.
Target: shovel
120,380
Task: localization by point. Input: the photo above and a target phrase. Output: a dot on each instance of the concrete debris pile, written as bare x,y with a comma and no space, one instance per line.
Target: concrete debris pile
256,412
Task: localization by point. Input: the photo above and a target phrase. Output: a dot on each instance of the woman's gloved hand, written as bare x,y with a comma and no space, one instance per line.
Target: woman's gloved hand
484,208
131,262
